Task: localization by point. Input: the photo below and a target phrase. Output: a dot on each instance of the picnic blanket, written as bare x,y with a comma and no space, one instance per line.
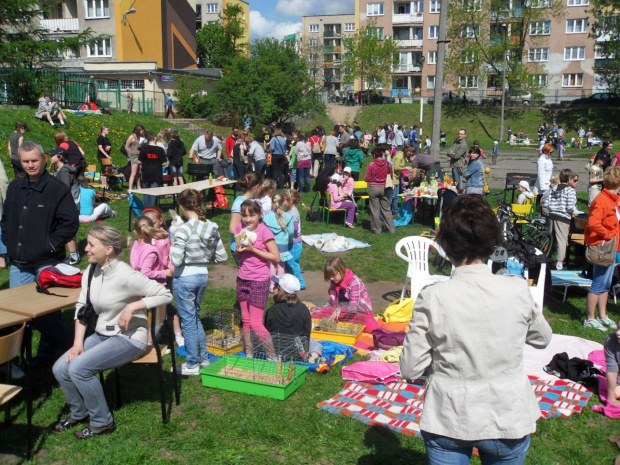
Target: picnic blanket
332,242
398,405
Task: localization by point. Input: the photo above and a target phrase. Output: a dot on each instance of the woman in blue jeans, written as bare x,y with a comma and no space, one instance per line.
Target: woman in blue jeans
469,332
120,296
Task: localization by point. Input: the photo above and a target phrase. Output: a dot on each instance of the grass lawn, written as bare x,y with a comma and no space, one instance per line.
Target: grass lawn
225,428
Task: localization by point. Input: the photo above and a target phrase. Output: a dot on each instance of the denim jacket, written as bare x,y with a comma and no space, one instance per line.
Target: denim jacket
474,173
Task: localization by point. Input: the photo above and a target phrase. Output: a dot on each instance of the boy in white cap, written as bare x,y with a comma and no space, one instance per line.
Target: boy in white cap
290,316
524,192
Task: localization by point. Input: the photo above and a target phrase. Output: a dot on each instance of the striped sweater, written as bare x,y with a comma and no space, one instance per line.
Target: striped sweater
196,243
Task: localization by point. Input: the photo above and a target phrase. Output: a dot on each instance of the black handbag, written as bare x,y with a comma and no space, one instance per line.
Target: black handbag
86,314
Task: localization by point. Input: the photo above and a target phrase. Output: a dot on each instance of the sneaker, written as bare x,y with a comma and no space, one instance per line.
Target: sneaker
559,266
185,371
349,225
594,324
608,322
205,363
313,359
73,261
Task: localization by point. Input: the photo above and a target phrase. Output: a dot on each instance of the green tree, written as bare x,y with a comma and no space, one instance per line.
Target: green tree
272,85
217,44
482,32
369,56
606,27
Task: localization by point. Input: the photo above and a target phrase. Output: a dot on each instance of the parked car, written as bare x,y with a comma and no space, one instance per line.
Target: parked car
608,98
445,99
374,97
516,97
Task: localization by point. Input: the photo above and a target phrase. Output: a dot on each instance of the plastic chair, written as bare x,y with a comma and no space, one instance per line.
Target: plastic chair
416,254
153,355
10,346
361,185
327,209
523,213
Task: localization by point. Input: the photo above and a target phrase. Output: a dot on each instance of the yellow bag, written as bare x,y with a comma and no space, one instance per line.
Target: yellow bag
400,312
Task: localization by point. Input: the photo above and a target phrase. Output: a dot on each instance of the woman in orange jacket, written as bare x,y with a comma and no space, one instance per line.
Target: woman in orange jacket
603,226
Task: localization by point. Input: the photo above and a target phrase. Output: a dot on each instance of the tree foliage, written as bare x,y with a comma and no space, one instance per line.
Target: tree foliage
369,57
219,43
482,32
606,27
272,85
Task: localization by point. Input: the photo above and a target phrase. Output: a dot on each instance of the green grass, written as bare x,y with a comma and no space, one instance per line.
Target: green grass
226,428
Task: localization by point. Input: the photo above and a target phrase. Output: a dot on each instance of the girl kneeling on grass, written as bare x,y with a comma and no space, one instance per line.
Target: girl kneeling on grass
195,245
253,276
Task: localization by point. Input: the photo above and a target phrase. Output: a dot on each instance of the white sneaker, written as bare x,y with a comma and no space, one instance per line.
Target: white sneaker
185,371
205,363
608,322
559,266
594,324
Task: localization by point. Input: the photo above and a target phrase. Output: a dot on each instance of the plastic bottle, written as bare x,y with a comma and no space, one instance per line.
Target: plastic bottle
210,179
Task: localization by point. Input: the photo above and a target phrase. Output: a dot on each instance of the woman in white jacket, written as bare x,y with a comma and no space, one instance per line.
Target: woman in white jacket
469,332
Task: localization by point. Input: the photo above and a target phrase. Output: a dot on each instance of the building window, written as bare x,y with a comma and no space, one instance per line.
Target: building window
468,82
349,27
314,28
71,54
313,42
600,55
101,48
211,7
435,6
471,31
132,84
578,2
572,80
430,82
376,32
538,54
433,32
574,53
576,26
97,9
472,5
542,4
468,56
538,80
374,9
540,28
432,58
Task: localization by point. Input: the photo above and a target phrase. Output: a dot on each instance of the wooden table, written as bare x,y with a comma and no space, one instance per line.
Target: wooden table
176,190
9,319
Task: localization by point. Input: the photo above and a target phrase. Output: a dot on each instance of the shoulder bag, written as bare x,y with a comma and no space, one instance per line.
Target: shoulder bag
603,254
87,315
389,180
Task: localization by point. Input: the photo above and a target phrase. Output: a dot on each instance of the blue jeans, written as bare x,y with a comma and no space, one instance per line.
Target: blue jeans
149,200
260,165
188,293
393,197
456,177
442,450
54,333
2,246
303,179
330,159
293,175
601,278
292,266
78,378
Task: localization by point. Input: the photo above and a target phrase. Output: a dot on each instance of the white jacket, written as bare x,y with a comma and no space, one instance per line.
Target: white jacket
471,331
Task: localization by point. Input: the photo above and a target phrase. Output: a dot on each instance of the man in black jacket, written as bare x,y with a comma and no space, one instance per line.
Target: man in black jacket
39,218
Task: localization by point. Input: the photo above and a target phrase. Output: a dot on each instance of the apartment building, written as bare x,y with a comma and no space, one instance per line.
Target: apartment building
562,47
323,45
208,12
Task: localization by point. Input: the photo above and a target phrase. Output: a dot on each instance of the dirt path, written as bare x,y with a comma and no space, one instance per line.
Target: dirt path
341,113
381,293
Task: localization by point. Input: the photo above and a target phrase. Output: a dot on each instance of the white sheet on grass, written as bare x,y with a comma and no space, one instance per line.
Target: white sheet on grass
332,242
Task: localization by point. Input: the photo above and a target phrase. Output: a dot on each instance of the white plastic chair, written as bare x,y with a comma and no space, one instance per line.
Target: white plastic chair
415,251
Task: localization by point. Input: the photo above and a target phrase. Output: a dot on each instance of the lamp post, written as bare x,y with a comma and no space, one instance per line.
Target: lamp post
501,121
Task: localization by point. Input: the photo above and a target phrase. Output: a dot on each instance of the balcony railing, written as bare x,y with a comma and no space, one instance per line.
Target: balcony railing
409,43
407,18
331,34
507,14
328,48
407,68
61,25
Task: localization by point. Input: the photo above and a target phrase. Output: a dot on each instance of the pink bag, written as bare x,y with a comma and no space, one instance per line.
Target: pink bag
371,372
385,339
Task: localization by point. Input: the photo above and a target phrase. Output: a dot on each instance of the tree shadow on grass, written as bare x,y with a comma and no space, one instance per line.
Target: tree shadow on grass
387,449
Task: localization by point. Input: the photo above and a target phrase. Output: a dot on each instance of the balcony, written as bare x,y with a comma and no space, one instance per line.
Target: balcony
507,14
407,68
332,48
409,43
331,34
61,25
407,18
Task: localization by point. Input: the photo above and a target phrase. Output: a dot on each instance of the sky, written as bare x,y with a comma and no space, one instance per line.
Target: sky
278,18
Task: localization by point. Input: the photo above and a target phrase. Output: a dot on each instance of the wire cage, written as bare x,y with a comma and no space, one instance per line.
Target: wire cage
224,332
338,317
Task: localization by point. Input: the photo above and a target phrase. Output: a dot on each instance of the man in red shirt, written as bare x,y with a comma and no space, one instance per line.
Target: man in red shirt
231,141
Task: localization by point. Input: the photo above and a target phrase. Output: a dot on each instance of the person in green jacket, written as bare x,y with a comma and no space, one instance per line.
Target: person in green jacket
354,158
398,164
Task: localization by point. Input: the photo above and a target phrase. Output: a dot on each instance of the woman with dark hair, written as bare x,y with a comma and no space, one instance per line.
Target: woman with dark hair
474,174
104,147
354,158
469,331
132,148
378,196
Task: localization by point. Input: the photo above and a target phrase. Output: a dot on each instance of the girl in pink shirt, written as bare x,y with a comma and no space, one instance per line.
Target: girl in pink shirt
145,257
253,277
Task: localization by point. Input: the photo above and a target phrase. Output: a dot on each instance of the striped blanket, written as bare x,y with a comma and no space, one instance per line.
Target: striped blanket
399,405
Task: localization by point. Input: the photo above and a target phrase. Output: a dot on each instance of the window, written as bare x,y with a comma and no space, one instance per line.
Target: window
133,84
542,4
376,31
349,27
471,31
430,82
97,9
313,57
211,7
374,9
313,42
435,6
432,58
540,28
578,2
71,54
314,28
472,5
538,80
417,7
433,32
468,56
574,53
538,54
576,26
572,80
402,8
468,82
101,48
600,54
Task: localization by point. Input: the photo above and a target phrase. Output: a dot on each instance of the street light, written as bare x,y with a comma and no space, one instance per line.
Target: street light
128,12
501,121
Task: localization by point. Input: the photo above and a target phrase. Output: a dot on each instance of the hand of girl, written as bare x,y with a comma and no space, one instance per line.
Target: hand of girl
125,318
334,316
169,272
74,352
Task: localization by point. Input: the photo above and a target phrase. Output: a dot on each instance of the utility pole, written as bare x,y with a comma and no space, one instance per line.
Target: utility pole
501,120
441,59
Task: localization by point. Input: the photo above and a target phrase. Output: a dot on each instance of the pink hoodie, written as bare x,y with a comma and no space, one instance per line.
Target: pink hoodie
146,258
